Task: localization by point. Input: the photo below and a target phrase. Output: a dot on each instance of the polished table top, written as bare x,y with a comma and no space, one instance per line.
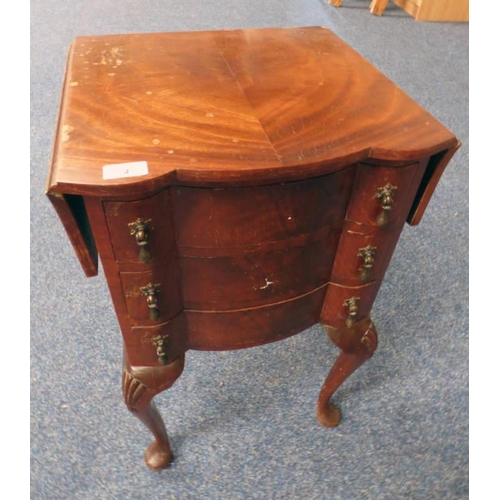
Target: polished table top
229,107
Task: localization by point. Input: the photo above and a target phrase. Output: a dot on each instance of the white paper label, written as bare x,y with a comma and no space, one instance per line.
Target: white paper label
121,170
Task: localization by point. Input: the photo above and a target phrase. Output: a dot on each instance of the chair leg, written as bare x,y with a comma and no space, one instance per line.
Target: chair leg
377,7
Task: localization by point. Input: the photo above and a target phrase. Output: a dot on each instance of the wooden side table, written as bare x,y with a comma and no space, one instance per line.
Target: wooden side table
239,187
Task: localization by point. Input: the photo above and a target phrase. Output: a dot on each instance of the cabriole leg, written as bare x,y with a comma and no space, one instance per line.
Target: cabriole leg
357,344
140,385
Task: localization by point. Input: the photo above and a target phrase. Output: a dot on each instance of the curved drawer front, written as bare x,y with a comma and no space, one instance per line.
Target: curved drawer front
252,327
249,216
242,279
363,254
143,344
165,293
378,187
158,237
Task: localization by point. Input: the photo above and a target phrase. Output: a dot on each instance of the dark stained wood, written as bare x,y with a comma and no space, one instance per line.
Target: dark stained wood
365,208
95,211
357,344
302,240
141,350
348,265
161,235
335,314
266,150
249,216
72,213
169,296
433,173
140,385
227,330
246,279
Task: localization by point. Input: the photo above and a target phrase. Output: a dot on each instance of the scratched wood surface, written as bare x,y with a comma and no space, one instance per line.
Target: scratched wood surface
266,153
228,107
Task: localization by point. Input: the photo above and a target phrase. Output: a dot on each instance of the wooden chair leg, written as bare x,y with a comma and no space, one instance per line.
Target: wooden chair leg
358,343
377,7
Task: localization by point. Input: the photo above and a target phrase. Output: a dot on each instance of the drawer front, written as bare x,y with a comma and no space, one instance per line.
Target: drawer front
252,327
157,345
340,302
250,279
124,219
363,254
248,216
160,287
382,196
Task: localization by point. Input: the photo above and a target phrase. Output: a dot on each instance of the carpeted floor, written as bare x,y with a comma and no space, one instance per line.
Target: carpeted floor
242,424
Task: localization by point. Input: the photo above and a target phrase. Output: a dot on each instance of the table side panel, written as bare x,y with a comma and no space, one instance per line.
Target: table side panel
365,207
335,310
363,226
169,296
156,212
349,267
72,213
141,349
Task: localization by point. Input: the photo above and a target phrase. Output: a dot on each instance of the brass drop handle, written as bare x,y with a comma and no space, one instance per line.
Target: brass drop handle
368,255
161,342
150,291
386,196
352,310
141,229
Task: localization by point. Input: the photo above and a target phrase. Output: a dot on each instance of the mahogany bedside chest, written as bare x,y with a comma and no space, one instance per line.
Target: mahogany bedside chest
239,187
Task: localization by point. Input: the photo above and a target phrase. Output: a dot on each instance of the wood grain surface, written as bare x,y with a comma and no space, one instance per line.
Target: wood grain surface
228,108
274,157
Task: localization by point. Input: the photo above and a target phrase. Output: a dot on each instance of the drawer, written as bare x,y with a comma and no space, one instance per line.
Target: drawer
377,187
165,294
247,216
246,279
211,331
144,344
158,235
363,254
339,300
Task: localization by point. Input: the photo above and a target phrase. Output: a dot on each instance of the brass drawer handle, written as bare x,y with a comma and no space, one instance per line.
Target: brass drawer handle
368,255
386,196
141,229
352,310
150,291
161,342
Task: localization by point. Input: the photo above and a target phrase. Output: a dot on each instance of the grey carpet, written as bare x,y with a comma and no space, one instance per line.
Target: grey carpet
242,424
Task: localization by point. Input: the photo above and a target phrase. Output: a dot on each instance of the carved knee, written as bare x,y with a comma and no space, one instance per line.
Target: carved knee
133,390
360,338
